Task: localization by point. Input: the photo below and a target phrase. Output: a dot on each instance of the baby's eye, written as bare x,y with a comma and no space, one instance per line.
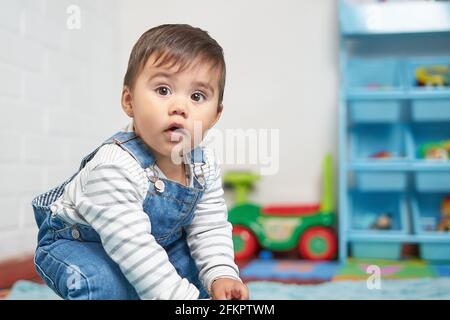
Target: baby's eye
164,91
198,97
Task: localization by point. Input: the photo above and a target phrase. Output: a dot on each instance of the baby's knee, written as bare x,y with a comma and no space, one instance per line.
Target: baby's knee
82,279
100,282
65,279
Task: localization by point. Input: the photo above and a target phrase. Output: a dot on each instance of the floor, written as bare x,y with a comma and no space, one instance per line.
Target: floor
286,278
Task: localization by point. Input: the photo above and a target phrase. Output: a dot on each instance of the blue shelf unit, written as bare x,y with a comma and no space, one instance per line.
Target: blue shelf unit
382,109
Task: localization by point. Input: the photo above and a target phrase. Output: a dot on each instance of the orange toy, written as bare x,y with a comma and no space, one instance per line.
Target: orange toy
444,225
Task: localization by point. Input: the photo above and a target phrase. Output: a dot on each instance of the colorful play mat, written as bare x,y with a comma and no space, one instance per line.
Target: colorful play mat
304,272
295,279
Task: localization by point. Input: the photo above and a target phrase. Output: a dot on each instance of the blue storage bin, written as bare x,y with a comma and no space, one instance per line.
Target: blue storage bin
366,207
376,250
390,18
425,133
432,181
435,251
426,209
372,111
370,139
381,180
430,109
374,74
364,210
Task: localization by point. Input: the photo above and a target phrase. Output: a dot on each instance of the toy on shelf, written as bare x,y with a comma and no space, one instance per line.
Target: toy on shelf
382,155
373,86
306,228
383,222
428,223
378,87
435,150
436,75
444,224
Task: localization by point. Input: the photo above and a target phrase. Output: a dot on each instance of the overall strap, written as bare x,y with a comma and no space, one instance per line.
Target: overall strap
119,136
197,156
198,163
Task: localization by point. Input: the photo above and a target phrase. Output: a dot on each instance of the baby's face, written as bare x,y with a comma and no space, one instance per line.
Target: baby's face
164,99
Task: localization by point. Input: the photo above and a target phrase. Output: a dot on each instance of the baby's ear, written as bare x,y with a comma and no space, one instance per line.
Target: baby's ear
127,101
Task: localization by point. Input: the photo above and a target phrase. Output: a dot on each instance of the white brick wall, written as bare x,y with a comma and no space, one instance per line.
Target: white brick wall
60,89
59,98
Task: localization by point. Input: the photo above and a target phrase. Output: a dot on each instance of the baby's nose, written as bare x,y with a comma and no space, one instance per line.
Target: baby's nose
179,109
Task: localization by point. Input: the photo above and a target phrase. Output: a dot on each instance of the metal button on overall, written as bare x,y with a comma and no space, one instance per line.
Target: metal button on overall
159,186
75,233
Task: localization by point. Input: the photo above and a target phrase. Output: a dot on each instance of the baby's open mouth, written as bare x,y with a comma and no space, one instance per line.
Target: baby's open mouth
175,131
174,126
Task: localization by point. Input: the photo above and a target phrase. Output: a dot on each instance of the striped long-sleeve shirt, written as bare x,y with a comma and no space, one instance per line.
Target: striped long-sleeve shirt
108,195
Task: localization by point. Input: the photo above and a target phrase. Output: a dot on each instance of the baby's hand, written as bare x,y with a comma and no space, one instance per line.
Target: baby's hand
228,289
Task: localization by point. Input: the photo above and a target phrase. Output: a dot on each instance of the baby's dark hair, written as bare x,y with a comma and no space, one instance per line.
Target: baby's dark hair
176,44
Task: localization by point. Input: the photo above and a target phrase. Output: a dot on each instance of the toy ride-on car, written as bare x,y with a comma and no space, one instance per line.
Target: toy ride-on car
307,228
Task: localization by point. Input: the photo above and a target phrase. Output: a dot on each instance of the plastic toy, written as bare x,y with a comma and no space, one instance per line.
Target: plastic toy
436,75
444,225
384,222
241,182
306,228
435,150
382,155
377,86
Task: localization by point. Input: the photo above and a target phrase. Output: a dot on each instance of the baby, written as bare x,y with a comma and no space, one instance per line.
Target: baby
144,217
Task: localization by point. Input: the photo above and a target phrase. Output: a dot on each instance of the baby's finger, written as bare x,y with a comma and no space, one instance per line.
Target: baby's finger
220,295
236,293
244,291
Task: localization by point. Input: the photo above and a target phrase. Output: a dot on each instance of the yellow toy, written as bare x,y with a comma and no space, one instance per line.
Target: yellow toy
437,75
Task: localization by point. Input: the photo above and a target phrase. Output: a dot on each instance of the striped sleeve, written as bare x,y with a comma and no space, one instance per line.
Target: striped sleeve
111,203
209,235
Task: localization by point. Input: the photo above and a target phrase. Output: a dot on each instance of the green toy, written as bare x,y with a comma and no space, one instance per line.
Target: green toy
307,228
435,150
241,182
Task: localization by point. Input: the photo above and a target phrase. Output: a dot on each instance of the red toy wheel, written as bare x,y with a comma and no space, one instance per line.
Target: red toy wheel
245,243
318,243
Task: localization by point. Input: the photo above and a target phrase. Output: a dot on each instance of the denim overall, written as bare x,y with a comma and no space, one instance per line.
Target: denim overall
71,259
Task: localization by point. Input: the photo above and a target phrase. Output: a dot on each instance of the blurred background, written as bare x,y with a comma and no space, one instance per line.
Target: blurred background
357,89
